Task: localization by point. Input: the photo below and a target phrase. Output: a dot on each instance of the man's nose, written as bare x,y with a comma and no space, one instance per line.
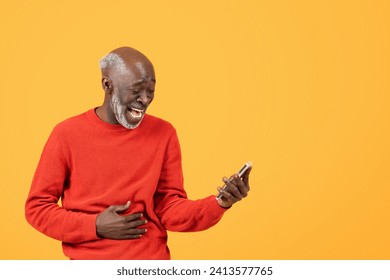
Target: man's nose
143,98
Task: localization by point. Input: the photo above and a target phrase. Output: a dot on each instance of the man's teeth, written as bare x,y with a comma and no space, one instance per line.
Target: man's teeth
137,110
136,113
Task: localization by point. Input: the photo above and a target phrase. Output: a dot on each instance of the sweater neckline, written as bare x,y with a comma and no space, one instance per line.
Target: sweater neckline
91,114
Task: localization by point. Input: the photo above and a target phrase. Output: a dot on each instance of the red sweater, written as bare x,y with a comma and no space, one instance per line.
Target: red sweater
91,165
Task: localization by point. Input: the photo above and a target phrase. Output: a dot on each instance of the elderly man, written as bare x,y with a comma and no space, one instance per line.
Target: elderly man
118,173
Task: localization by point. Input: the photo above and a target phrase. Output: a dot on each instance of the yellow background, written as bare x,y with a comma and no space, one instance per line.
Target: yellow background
301,88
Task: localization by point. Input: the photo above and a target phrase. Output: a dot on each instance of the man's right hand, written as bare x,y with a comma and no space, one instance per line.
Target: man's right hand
111,225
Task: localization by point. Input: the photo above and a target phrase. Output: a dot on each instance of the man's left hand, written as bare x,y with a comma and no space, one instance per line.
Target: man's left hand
236,189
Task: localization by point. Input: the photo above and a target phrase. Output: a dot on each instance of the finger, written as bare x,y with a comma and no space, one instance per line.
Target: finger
245,177
231,187
133,217
133,233
227,195
238,182
120,208
132,236
224,179
136,231
136,223
128,236
219,189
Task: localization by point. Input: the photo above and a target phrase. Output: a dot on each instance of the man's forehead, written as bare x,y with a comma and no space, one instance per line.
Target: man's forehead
144,68
135,76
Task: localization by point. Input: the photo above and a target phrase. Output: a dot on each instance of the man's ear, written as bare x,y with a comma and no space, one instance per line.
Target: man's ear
107,84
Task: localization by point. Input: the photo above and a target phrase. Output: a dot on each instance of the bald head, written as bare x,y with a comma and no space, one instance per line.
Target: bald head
122,59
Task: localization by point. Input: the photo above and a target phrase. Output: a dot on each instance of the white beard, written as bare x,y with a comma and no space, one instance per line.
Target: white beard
120,110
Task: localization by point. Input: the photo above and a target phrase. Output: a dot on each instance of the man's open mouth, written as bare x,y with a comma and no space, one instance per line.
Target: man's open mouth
136,113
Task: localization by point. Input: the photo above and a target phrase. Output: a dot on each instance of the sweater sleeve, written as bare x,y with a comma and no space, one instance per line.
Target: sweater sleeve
42,210
175,210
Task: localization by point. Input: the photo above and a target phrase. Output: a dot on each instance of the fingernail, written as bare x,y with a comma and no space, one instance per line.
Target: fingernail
146,221
225,179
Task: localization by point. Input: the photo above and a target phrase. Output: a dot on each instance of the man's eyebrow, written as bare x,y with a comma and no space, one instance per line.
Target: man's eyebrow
143,81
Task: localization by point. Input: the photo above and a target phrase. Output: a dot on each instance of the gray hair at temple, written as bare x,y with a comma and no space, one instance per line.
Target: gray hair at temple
114,61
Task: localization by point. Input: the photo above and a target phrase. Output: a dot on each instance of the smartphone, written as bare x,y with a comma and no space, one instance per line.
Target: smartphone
239,173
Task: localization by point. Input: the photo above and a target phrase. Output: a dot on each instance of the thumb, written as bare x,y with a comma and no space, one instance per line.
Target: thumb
120,208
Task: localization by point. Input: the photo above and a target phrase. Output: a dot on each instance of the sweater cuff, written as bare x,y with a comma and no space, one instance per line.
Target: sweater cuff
215,207
90,227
